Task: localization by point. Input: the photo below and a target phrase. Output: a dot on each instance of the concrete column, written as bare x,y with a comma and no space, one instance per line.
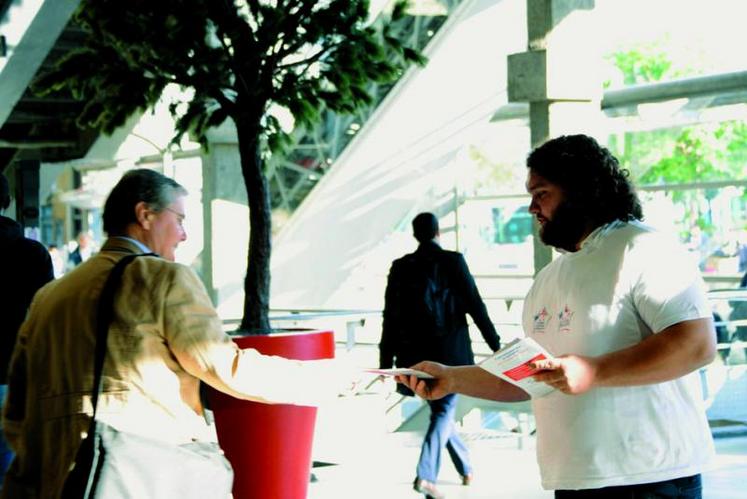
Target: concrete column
557,76
225,221
27,197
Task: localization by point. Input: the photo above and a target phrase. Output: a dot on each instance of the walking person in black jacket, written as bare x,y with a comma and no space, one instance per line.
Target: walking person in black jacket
428,294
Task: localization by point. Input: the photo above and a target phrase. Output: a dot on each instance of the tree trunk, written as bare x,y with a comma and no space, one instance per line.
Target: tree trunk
257,280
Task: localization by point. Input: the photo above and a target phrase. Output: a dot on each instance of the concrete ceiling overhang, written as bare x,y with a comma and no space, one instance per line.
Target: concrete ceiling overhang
37,34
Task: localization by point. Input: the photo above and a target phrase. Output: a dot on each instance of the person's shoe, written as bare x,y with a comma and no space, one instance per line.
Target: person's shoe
467,479
427,488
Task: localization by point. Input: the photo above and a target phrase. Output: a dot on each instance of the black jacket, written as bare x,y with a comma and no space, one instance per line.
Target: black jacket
404,341
25,266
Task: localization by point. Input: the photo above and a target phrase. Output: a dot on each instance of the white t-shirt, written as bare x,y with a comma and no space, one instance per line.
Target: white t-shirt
626,283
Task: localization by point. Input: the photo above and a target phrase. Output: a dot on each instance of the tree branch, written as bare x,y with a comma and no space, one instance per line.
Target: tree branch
310,60
224,101
241,35
288,28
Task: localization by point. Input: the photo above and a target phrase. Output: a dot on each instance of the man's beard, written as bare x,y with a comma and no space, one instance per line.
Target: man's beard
566,228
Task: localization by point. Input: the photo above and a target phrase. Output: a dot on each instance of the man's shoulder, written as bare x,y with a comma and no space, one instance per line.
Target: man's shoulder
632,230
641,238
157,264
403,261
450,255
9,229
622,238
158,273
32,243
181,273
432,254
28,249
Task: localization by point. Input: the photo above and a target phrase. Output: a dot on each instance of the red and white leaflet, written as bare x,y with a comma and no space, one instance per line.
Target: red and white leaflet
512,363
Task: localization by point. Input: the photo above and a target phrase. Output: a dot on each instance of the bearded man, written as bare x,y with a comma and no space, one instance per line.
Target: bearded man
624,311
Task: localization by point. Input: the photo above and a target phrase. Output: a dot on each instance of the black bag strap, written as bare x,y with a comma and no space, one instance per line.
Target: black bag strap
103,319
81,480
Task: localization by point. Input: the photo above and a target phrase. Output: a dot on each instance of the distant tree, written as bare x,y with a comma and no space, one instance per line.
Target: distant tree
238,59
493,174
681,154
645,62
693,156
639,66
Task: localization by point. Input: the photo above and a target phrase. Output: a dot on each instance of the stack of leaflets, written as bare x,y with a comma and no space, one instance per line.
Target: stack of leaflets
512,363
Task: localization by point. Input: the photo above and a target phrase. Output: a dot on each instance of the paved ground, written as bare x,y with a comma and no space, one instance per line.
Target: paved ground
386,470
373,462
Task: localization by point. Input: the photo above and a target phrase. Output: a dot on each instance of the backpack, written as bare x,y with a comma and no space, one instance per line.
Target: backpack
428,297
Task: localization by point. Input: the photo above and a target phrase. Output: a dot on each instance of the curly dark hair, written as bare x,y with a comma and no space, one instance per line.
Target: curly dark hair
590,177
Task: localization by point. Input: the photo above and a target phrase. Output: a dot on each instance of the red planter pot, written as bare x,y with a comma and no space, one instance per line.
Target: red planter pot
269,446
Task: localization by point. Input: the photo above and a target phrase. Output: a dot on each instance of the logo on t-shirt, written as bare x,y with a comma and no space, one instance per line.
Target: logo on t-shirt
564,320
541,319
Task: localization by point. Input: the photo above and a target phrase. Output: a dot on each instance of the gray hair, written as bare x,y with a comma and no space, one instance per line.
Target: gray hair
156,190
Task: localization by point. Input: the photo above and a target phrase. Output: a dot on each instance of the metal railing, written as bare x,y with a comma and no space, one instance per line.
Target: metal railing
353,319
294,318
717,379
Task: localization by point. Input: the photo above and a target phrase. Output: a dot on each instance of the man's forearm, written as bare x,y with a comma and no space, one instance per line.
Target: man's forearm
669,354
475,381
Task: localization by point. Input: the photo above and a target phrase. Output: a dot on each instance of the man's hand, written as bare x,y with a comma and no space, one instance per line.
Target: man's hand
429,389
571,374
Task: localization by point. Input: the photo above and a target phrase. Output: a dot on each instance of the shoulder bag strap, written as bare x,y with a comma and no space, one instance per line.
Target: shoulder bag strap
103,319
81,479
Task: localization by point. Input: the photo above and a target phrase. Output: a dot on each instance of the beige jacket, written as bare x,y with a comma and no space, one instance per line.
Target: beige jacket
164,337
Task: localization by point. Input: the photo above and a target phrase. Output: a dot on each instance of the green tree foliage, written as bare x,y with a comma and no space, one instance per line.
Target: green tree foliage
700,153
239,59
678,155
494,175
641,65
645,62
706,152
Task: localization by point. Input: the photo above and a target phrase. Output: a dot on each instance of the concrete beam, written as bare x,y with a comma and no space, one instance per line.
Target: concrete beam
30,28
27,196
555,76
551,75
36,144
544,16
715,85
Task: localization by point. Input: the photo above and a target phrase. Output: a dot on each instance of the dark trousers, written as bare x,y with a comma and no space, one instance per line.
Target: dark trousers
689,487
442,433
